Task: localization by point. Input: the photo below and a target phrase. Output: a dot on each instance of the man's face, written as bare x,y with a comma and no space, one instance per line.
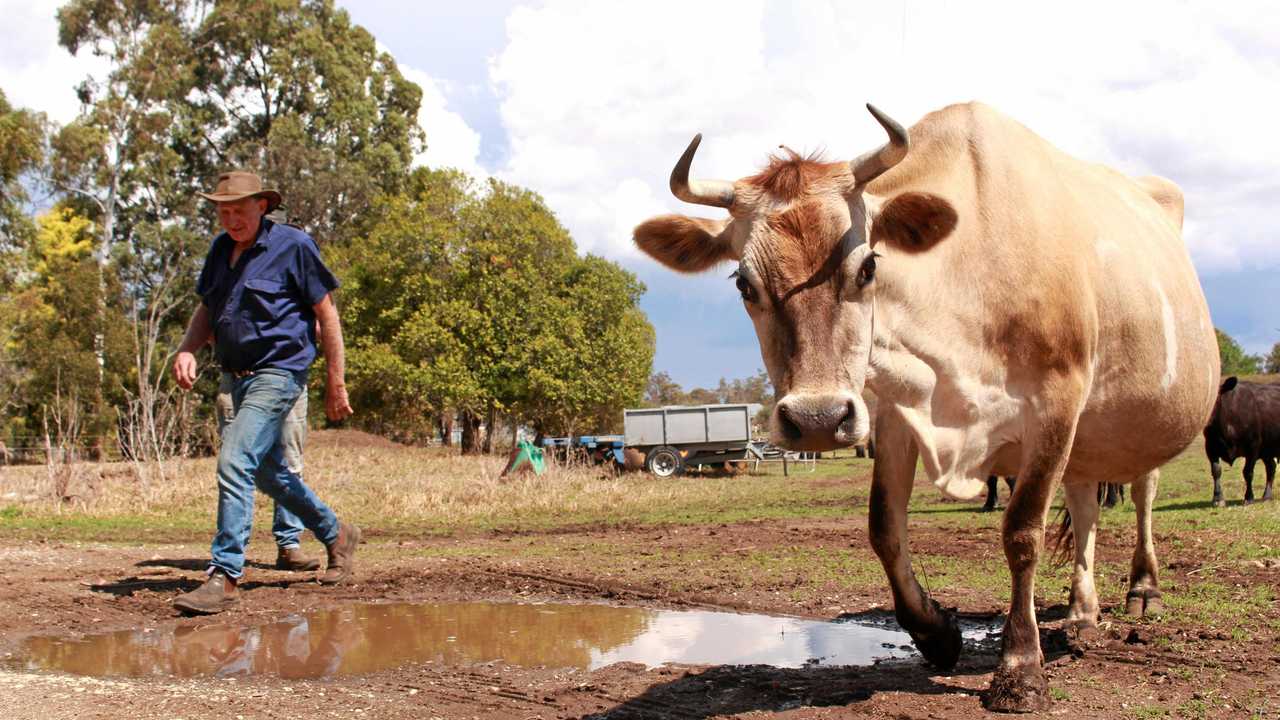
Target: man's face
241,218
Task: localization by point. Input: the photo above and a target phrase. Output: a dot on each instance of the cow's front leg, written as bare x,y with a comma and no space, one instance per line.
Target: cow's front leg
934,631
1215,469
1248,479
1082,503
1144,586
1019,683
1270,465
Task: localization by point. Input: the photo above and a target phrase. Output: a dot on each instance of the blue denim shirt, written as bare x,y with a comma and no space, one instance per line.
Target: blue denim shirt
261,309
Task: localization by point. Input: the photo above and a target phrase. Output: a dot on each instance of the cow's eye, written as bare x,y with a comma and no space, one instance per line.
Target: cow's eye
744,287
867,272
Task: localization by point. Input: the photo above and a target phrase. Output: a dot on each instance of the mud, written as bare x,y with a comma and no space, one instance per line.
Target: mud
1131,669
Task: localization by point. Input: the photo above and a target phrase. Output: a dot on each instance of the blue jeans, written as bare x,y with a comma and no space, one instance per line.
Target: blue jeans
286,528
252,454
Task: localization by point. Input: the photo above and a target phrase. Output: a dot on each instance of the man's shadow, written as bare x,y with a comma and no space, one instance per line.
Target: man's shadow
126,587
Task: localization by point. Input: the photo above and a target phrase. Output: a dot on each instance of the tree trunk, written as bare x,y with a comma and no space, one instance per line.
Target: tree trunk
445,423
490,427
470,432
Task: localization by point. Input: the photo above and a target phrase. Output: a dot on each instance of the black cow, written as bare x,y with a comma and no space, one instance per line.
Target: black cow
1245,424
993,491
1109,494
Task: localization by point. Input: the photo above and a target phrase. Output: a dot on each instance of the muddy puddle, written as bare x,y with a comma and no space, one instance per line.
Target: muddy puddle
367,638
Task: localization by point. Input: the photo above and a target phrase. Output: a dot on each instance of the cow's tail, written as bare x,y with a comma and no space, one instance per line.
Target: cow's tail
1063,546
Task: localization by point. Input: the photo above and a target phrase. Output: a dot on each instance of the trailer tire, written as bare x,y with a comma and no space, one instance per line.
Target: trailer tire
664,461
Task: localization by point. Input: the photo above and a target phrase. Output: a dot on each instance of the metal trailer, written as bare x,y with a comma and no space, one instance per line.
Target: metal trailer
674,438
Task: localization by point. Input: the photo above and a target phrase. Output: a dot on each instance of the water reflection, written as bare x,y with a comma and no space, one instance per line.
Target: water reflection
366,638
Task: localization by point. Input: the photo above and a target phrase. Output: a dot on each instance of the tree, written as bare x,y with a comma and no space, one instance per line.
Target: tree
1235,361
595,359
661,391
406,363
474,301
22,145
1273,359
115,160
294,90
22,138
55,350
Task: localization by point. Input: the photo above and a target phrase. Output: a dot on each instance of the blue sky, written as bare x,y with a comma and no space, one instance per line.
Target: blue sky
589,103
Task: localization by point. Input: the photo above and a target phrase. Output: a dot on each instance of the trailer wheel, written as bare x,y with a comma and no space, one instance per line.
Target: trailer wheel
664,461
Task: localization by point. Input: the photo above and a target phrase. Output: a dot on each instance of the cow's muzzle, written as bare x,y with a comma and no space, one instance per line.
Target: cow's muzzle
815,422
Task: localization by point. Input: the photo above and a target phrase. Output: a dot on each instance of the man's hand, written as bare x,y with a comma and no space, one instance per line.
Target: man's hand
184,370
336,404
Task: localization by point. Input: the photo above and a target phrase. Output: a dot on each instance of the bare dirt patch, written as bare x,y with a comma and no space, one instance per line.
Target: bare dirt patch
1134,669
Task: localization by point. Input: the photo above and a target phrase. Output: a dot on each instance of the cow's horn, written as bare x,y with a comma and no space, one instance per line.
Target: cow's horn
869,166
717,193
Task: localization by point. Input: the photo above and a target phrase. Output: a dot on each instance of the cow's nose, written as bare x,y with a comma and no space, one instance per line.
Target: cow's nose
816,422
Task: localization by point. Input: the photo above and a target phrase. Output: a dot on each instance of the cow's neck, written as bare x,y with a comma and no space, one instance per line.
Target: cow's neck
927,375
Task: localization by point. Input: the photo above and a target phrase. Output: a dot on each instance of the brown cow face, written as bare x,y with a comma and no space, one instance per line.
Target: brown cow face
806,277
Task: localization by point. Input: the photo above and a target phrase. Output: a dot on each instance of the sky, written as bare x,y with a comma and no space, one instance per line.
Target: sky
590,102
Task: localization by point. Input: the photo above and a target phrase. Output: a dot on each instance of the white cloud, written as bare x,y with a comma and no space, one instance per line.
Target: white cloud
35,72
451,142
599,98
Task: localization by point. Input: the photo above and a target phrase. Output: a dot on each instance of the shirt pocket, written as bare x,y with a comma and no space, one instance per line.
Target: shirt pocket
264,297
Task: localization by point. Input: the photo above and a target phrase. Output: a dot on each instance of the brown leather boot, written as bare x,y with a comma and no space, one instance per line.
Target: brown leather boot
216,594
342,555
291,558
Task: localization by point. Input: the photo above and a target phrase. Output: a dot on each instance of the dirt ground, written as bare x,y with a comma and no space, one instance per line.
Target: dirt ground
1135,669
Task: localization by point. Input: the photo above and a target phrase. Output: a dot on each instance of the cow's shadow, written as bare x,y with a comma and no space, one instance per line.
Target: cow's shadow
732,690
1195,505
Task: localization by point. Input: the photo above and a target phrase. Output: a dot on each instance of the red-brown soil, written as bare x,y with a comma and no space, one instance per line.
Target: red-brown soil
1134,669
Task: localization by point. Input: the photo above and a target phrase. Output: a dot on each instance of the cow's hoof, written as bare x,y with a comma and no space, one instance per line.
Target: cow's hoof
1017,691
941,649
1144,602
1219,503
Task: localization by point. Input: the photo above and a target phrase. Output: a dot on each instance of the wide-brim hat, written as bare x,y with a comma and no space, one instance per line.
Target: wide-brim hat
237,185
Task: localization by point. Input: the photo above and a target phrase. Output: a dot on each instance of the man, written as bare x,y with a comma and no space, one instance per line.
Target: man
286,527
264,291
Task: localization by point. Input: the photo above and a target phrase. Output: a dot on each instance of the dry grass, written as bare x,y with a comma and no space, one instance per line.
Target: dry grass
389,486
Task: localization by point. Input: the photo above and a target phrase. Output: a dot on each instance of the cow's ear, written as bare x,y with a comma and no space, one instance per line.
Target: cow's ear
914,222
686,244
1228,385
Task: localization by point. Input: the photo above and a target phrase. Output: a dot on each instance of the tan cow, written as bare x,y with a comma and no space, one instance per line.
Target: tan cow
1017,312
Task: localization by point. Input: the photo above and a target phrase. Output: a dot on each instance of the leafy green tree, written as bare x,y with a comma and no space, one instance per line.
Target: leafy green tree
1235,361
406,363
57,349
473,300
22,138
1273,359
115,162
294,90
594,360
22,145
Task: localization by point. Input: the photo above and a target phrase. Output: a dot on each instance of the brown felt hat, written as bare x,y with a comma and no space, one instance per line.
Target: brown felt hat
237,185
